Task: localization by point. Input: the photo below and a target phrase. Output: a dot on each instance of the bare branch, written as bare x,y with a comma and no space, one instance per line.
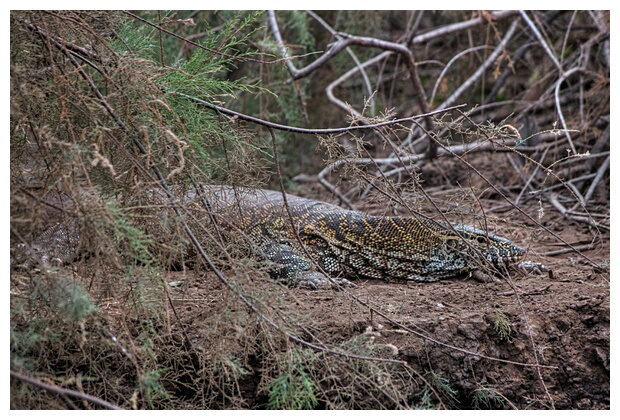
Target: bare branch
273,23
314,130
455,27
64,391
541,40
563,77
344,41
599,174
357,63
452,60
480,71
330,88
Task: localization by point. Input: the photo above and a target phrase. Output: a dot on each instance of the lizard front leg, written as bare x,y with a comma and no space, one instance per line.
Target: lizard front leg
288,264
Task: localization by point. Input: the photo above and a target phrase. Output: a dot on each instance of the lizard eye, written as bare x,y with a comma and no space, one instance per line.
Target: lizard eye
481,240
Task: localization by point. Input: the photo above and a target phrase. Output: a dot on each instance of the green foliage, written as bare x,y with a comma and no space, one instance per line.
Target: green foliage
130,40
230,368
486,398
443,384
426,401
133,238
502,326
152,387
72,300
205,73
23,342
439,384
61,303
294,389
61,294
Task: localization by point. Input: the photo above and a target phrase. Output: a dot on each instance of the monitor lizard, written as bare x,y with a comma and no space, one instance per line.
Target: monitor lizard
313,243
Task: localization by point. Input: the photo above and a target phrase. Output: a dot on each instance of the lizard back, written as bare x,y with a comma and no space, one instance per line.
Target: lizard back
354,244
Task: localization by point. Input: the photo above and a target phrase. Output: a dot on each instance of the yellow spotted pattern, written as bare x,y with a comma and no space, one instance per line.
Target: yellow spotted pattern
353,244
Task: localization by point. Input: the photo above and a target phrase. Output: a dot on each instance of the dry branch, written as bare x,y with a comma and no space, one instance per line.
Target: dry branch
317,131
64,391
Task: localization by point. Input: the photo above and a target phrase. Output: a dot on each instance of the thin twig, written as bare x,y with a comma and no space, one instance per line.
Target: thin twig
568,250
528,183
329,90
553,198
460,26
480,71
530,335
273,23
459,149
314,130
599,175
344,41
195,44
563,77
64,391
542,41
353,57
452,60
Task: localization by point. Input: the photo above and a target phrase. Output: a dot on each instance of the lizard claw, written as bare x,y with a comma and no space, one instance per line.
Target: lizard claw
316,280
531,267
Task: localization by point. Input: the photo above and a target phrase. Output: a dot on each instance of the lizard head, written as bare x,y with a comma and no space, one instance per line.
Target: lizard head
497,250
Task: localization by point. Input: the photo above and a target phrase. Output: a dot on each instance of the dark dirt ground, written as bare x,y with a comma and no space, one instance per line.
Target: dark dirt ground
558,322
563,323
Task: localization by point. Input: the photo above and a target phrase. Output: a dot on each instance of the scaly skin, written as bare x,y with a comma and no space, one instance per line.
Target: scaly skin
353,244
324,238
